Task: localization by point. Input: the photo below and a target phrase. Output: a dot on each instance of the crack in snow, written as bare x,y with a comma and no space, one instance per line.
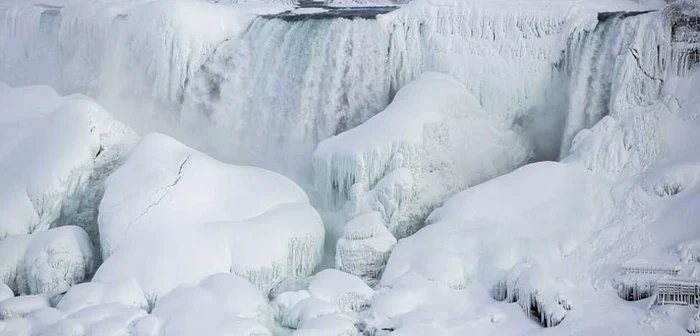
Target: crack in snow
635,54
167,190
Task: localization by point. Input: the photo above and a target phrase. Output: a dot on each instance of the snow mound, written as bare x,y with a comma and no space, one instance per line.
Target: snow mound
432,141
46,262
344,290
365,247
219,304
127,293
74,145
170,210
472,239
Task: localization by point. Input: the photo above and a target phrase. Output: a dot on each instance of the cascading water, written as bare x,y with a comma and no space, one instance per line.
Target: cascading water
619,64
286,85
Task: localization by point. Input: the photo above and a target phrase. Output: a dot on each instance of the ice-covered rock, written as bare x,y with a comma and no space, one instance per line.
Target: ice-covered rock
127,293
46,262
172,210
219,303
364,248
330,292
55,153
432,141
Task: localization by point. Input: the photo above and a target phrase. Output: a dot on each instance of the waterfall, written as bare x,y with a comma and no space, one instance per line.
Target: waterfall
619,64
285,85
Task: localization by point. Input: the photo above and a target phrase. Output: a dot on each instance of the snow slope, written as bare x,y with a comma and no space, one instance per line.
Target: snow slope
172,215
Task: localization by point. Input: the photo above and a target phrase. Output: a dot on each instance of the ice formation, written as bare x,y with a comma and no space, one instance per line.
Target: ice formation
607,87
74,143
173,210
365,246
433,140
46,262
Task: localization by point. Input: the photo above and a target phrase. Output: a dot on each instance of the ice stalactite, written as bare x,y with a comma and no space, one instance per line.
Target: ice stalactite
284,86
536,293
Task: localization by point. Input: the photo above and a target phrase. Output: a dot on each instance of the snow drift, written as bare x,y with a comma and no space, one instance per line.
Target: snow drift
172,215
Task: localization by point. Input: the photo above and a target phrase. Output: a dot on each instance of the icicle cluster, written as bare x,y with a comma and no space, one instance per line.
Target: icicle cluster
536,293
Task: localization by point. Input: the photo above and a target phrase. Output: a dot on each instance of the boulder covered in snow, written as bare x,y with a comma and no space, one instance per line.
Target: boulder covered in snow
46,262
431,142
172,215
365,247
55,153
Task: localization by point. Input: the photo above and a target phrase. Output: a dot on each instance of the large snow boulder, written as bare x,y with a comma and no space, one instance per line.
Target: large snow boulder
55,153
171,215
431,142
365,247
541,213
46,262
220,304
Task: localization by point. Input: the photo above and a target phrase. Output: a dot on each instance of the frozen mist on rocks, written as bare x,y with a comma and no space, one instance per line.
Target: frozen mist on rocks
412,144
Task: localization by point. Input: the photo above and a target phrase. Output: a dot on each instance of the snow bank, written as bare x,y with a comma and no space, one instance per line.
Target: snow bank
172,210
46,262
436,130
74,145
